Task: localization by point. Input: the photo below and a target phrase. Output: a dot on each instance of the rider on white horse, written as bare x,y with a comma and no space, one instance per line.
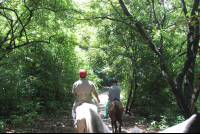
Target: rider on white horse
82,89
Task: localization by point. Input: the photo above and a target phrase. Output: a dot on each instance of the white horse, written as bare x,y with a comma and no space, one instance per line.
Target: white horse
88,120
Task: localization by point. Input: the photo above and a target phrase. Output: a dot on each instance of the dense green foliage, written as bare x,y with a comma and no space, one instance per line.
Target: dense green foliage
40,63
117,49
43,44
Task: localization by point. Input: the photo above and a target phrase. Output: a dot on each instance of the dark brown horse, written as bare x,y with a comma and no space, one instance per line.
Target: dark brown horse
115,112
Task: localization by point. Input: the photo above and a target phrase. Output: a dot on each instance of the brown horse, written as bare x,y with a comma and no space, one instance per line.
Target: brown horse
115,112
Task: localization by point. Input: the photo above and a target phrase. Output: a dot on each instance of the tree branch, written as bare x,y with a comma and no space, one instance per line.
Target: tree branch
116,10
27,43
155,15
181,48
140,29
106,17
195,95
184,8
48,42
18,19
163,67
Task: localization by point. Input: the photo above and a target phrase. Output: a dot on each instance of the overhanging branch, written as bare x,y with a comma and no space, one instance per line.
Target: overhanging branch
106,17
27,43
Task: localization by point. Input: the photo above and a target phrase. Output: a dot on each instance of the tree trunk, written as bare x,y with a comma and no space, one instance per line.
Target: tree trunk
130,93
134,95
192,42
195,95
188,86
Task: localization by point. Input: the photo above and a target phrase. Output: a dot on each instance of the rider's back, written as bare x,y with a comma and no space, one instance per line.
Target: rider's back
83,88
114,93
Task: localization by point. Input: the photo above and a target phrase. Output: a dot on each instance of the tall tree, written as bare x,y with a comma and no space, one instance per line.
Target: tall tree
192,44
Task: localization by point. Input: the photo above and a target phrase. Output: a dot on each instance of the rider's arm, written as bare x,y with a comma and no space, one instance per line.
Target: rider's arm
73,90
96,95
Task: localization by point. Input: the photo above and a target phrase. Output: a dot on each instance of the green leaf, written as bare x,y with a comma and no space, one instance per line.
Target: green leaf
193,22
173,29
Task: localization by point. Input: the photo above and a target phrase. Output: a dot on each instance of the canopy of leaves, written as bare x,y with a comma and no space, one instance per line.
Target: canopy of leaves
43,44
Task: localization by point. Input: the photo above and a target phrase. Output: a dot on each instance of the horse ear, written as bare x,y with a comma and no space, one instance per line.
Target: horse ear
182,127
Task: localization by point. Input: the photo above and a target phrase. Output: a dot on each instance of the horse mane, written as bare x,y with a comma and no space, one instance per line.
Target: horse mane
88,118
97,125
117,113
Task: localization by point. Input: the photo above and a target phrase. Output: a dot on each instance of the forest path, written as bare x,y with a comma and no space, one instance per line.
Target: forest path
103,96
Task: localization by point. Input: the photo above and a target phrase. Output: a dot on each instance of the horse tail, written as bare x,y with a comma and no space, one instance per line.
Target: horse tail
117,113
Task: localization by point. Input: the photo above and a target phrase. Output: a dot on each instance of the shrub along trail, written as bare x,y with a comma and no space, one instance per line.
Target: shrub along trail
40,124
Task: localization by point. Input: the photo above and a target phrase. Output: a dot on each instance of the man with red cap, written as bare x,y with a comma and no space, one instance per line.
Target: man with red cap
82,89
